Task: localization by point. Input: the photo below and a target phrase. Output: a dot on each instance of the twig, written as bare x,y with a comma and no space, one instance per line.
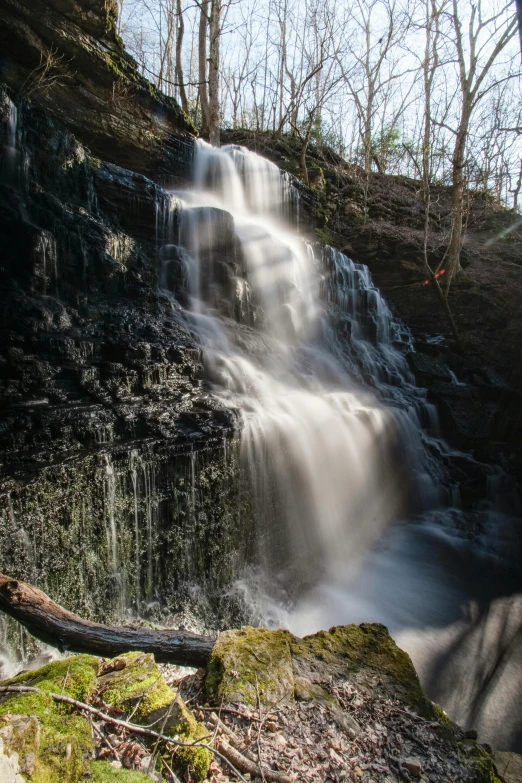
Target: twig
265,663
174,777
250,767
105,740
230,711
260,728
219,725
152,762
66,677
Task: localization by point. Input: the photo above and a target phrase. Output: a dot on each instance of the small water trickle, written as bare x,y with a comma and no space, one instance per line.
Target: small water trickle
135,464
150,501
46,255
119,246
12,120
14,160
115,566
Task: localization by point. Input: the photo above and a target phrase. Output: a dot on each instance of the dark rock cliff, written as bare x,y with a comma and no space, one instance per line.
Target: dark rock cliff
119,472
66,57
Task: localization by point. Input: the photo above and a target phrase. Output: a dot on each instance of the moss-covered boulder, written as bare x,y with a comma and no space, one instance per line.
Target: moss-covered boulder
274,665
54,744
365,653
248,663
134,683
46,741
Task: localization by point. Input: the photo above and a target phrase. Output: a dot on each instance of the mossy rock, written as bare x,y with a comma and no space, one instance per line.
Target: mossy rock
254,663
275,665
251,663
59,740
134,683
368,654
480,761
54,744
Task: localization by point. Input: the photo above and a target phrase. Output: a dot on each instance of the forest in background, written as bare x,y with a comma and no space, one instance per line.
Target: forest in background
429,89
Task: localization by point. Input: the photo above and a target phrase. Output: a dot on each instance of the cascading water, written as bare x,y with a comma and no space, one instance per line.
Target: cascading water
321,451
336,441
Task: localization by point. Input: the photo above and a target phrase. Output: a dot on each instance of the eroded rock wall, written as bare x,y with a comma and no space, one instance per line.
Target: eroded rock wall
120,479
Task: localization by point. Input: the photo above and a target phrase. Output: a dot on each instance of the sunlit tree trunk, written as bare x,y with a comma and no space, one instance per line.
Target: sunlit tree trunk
202,60
214,116
179,66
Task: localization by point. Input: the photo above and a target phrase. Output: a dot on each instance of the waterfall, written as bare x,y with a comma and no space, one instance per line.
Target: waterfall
340,449
331,435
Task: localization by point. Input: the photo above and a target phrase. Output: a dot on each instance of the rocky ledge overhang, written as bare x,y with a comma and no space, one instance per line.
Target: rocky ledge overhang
65,56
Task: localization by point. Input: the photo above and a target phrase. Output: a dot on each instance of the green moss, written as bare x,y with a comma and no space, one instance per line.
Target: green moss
102,772
249,662
370,651
480,761
138,688
65,741
189,730
316,175
74,676
304,690
93,162
323,235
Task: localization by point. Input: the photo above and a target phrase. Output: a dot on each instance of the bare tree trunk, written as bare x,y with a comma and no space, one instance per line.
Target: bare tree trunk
516,190
429,67
214,123
304,149
179,65
457,201
202,59
54,625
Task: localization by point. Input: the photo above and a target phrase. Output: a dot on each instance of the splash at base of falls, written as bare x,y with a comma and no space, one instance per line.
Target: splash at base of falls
425,581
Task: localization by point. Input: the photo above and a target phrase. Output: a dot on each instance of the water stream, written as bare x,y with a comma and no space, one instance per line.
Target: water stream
350,482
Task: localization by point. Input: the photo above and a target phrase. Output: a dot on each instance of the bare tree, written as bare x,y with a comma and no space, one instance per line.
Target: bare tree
341,72
430,66
214,115
487,37
202,60
180,32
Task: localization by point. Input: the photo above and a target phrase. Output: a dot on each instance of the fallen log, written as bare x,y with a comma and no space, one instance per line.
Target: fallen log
54,625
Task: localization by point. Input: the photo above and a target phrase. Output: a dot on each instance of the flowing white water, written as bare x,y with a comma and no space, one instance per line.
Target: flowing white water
336,438
321,450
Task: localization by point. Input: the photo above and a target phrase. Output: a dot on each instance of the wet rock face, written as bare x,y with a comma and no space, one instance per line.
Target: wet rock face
91,84
114,453
92,351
